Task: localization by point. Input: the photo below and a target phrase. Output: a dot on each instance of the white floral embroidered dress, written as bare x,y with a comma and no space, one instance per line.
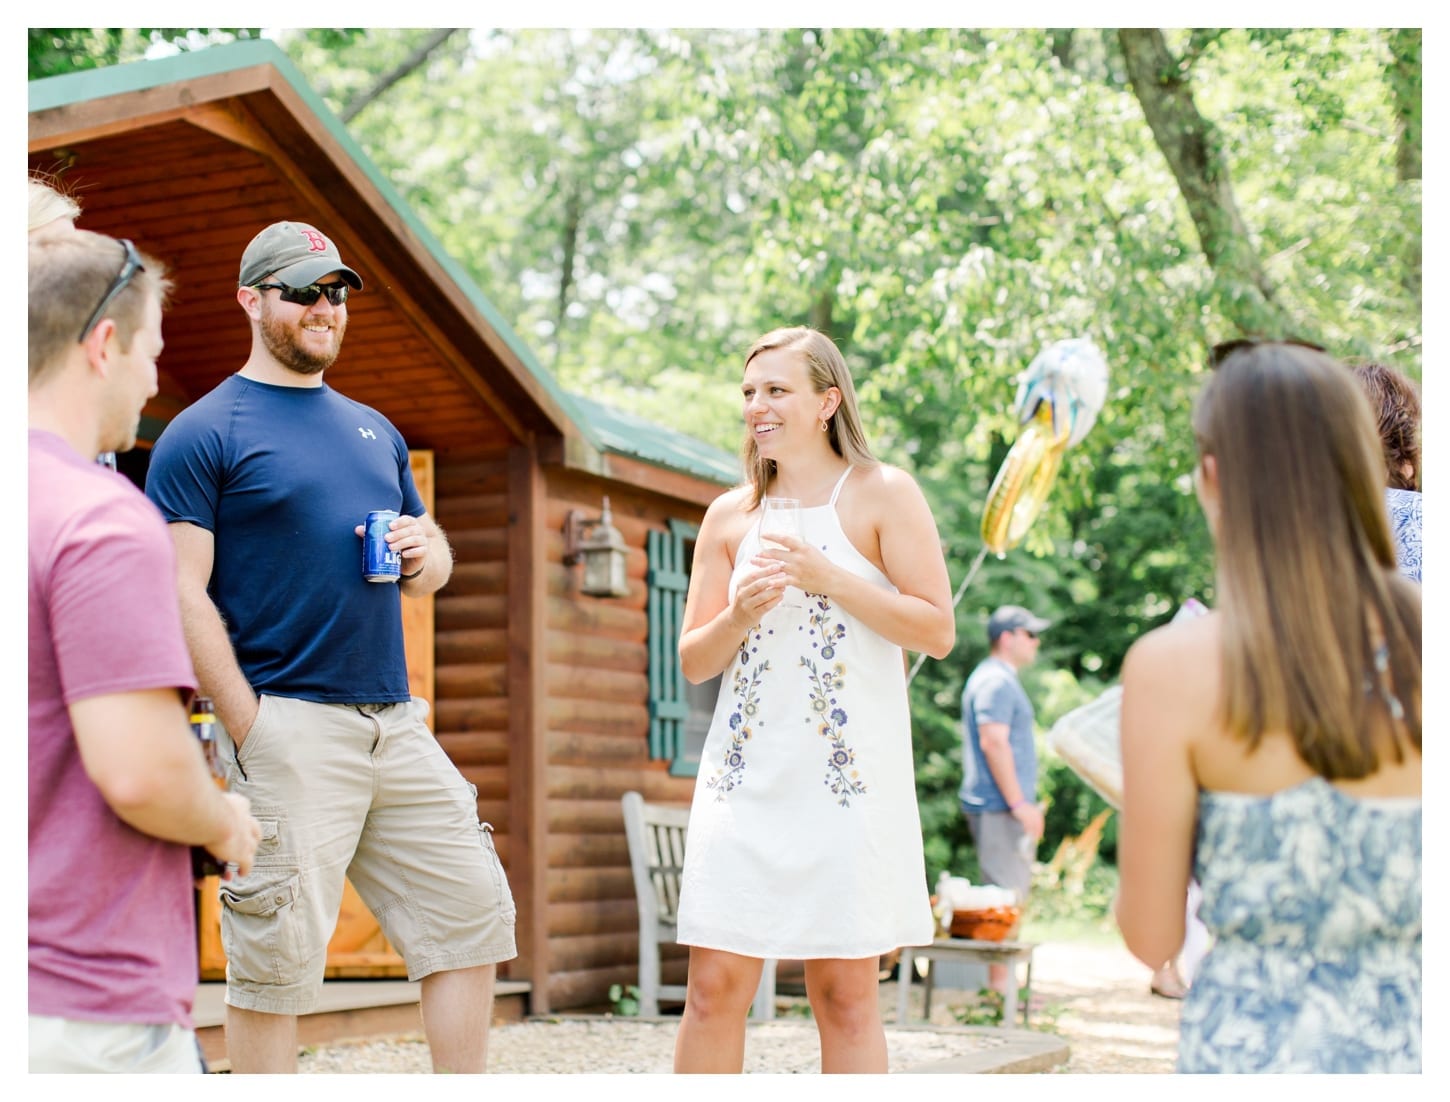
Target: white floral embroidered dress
805,839
1314,901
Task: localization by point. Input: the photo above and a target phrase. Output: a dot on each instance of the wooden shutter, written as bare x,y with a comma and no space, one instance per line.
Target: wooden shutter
668,582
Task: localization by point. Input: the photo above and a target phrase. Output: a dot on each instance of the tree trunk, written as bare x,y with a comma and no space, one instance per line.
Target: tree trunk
1406,86
570,242
1188,142
1062,45
821,307
387,80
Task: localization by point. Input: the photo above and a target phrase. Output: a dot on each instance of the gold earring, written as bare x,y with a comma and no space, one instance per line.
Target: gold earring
825,425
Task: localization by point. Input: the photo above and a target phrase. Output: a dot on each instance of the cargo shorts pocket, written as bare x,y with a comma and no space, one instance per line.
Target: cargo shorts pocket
260,931
507,912
245,752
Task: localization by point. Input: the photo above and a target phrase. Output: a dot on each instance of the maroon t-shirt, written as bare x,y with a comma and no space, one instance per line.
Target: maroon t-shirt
112,924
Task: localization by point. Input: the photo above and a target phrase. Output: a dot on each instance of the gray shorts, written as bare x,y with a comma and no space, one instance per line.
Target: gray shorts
362,792
1004,852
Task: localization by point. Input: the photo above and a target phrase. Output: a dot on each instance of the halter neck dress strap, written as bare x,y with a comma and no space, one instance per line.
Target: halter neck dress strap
839,483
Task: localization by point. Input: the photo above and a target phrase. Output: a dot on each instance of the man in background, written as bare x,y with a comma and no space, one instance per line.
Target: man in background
999,759
118,789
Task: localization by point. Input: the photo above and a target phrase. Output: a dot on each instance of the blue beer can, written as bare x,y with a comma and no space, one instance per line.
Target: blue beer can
380,564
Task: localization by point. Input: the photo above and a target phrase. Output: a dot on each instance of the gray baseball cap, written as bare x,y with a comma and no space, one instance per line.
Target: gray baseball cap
1012,617
293,253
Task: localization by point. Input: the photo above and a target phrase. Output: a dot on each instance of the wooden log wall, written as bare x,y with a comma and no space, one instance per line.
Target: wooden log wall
594,722
471,648
597,731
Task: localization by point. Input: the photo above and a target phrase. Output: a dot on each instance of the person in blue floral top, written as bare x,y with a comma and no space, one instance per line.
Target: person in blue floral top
1271,748
1395,400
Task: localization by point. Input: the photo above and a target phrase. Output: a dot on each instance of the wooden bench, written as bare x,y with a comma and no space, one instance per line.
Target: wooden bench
656,835
964,949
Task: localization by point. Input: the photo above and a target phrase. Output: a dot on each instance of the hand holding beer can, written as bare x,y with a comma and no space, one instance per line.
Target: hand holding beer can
380,562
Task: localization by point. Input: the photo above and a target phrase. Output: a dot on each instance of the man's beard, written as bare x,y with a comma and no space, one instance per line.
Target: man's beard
281,340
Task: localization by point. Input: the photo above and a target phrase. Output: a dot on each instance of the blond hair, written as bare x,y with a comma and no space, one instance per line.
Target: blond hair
69,275
48,204
826,368
1321,635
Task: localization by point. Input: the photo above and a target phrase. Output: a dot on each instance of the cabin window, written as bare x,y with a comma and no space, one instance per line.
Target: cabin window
679,713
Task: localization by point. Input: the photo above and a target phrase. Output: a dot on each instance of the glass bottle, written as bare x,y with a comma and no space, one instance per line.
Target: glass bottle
203,726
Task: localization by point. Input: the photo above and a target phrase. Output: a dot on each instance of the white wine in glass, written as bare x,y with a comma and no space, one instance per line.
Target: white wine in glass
782,516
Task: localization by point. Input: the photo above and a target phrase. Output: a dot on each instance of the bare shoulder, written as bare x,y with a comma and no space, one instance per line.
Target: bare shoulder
732,503
1179,659
728,516
885,485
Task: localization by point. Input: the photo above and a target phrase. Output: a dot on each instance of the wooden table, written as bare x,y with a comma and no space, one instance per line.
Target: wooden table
979,952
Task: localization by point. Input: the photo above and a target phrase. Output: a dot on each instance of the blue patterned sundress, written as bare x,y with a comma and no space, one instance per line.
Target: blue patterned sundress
805,838
1313,900
1405,523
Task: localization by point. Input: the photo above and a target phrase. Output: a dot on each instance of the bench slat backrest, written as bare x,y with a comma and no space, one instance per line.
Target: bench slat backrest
656,835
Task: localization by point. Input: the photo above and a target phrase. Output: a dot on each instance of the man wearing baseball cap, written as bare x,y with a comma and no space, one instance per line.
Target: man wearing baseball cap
266,481
999,758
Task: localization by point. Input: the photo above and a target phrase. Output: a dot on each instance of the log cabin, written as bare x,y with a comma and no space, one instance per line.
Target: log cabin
552,701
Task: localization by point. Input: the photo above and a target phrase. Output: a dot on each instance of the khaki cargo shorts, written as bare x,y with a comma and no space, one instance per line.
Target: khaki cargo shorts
362,792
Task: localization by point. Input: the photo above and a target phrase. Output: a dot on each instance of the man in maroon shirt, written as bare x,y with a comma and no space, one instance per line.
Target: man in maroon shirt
118,788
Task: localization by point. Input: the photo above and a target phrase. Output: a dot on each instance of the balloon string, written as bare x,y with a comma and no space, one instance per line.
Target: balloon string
956,599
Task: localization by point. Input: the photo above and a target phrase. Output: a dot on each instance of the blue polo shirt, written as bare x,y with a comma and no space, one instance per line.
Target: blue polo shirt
994,695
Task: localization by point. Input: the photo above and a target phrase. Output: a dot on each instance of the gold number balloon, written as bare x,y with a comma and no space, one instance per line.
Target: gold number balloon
1022,482
1058,400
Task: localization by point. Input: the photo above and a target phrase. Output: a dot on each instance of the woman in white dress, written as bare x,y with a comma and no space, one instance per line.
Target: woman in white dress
805,840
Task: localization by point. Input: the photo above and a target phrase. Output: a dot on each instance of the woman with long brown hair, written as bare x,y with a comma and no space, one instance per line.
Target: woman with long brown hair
1271,749
805,839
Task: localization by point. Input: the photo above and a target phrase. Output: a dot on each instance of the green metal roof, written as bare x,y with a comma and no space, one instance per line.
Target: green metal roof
603,428
626,434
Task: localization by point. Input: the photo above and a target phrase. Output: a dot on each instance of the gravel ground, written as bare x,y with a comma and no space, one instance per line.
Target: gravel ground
602,1045
1093,997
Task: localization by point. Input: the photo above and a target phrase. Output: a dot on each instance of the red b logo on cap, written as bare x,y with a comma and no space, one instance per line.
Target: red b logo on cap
315,241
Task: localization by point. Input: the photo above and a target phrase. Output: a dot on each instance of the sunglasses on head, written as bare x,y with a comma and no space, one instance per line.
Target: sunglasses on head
305,296
129,267
1224,349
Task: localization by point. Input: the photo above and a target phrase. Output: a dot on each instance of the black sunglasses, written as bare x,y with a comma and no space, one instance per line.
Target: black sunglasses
305,296
129,267
1224,349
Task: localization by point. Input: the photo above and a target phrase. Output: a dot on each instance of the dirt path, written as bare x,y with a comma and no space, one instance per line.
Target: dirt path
1093,996
1096,998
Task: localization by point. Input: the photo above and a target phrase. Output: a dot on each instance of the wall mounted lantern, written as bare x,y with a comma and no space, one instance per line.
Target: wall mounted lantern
603,550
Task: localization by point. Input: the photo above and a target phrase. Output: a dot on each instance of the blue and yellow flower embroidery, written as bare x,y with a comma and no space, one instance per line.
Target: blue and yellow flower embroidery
745,685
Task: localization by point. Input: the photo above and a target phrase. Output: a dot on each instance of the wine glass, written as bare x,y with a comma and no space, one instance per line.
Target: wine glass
782,516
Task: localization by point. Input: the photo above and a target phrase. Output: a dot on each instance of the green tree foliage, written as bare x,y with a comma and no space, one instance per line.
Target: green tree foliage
945,203
68,49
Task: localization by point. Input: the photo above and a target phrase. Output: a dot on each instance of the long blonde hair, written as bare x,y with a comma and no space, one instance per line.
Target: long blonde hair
1321,635
826,368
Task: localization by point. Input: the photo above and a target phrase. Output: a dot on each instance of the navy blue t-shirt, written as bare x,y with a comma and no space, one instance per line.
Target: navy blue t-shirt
280,476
